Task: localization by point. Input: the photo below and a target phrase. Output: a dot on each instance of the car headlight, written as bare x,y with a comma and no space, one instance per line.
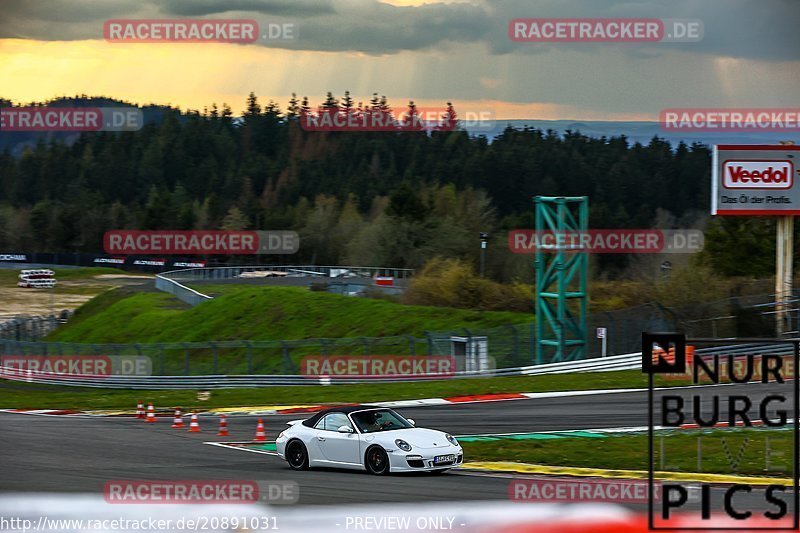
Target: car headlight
452,440
403,445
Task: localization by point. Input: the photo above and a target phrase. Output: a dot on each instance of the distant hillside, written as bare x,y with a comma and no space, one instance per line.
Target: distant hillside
16,142
635,132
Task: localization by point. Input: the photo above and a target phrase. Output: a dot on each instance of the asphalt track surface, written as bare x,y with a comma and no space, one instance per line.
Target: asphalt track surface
71,454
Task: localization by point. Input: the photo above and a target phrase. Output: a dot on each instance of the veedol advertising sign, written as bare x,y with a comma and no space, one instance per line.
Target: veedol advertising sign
755,180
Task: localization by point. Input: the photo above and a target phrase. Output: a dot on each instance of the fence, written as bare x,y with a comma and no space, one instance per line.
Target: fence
625,327
740,316
32,328
509,346
750,316
618,362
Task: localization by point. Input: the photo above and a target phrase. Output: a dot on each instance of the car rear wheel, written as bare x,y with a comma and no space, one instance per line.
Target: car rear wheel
376,461
296,455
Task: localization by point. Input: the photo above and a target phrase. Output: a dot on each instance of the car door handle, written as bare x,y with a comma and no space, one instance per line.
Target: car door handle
321,439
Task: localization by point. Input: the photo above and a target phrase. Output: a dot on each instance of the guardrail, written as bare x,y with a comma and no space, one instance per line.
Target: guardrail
171,281
180,291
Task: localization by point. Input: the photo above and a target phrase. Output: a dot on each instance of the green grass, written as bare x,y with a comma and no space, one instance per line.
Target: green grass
29,396
216,289
262,313
120,315
630,452
124,316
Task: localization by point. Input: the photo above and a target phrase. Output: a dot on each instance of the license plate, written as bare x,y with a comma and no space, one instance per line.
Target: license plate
439,459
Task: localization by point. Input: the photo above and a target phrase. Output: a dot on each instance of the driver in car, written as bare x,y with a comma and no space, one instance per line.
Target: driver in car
375,423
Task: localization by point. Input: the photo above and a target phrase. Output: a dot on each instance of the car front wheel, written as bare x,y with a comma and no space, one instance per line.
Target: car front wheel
296,455
376,461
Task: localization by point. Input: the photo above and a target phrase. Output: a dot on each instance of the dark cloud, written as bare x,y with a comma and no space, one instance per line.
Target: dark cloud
748,29
30,12
751,29
281,8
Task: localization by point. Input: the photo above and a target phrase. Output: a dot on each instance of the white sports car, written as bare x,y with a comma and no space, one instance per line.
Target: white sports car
377,440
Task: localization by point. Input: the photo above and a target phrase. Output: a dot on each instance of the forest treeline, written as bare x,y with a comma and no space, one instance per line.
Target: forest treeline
373,198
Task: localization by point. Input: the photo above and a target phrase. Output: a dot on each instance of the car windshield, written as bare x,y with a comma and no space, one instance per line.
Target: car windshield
380,420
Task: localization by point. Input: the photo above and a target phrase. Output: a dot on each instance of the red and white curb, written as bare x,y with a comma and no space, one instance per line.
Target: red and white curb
289,409
44,412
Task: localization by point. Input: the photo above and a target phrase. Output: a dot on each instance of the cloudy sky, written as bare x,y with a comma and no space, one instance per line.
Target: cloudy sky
429,51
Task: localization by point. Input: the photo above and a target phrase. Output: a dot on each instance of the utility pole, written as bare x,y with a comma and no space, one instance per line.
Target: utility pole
783,272
784,252
484,237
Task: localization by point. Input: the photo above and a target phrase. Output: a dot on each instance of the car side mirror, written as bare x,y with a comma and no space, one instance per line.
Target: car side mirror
411,421
345,429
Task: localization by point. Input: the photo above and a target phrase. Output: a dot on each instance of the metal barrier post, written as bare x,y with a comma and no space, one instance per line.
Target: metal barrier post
429,337
287,358
412,345
185,359
249,356
514,344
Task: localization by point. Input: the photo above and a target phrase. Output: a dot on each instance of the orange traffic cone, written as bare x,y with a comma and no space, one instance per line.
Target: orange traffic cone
194,424
151,413
140,409
223,426
177,422
261,436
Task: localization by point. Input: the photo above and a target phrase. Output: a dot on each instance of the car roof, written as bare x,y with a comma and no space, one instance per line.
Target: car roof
345,409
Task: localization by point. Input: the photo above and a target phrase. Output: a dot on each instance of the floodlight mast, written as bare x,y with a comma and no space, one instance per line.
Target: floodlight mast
561,281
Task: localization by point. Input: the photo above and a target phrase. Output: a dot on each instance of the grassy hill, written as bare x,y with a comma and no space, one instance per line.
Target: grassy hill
262,313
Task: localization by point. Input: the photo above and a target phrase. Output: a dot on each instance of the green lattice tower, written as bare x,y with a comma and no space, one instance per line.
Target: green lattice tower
561,281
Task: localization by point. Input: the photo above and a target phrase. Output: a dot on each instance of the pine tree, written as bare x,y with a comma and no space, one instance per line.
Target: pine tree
253,108
293,111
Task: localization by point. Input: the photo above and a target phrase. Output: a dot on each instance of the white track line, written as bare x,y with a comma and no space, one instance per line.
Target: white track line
242,448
